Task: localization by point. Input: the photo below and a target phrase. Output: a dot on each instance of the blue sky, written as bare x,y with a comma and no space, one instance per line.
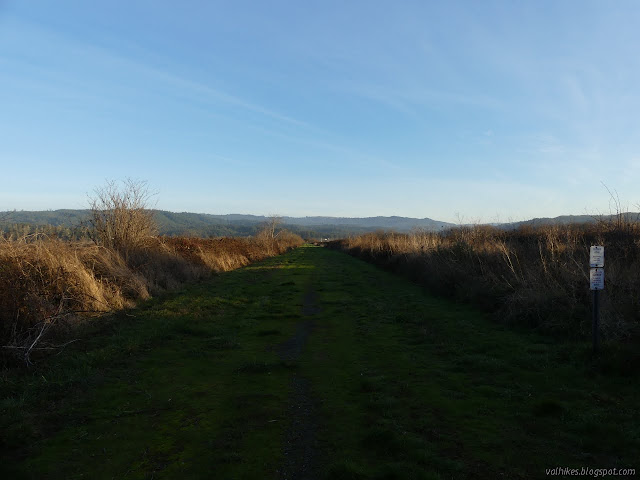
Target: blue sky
483,111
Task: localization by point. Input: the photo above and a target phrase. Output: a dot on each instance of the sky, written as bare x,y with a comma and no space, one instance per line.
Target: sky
457,111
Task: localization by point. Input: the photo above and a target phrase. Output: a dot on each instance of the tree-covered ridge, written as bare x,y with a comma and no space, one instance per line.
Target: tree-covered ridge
71,224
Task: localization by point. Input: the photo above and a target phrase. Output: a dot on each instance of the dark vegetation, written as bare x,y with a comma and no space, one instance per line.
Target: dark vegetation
239,375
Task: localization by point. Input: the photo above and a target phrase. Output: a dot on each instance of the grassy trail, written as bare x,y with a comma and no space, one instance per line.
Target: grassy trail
314,365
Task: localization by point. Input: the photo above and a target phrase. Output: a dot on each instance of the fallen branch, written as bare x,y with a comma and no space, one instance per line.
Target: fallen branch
54,347
42,329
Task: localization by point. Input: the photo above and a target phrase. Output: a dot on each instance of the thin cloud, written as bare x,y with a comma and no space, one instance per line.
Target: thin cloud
406,100
347,154
101,57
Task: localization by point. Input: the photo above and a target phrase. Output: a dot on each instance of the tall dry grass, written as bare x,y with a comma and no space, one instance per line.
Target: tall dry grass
47,282
537,277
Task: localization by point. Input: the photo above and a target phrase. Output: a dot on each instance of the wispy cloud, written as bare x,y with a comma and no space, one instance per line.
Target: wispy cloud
208,93
341,154
411,101
123,69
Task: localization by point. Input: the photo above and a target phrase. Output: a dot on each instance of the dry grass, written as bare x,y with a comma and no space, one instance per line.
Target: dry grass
536,277
47,282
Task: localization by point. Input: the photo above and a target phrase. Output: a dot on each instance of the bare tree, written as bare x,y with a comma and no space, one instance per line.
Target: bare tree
273,222
620,219
267,234
120,215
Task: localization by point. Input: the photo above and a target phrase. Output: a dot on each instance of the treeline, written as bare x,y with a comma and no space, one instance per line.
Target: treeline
82,231
18,231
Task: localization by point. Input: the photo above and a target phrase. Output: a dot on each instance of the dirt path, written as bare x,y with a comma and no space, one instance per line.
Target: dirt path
301,450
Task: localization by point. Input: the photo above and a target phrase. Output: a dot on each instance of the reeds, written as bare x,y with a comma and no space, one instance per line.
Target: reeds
47,283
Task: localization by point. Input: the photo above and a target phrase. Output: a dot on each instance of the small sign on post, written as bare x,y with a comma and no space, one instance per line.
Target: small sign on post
596,280
596,256
596,277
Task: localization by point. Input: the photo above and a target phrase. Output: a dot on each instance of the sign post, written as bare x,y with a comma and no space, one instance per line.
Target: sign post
596,277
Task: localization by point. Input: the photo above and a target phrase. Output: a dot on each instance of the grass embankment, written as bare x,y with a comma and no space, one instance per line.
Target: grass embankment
534,277
47,283
314,365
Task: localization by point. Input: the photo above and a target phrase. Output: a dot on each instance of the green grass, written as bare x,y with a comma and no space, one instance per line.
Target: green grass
407,386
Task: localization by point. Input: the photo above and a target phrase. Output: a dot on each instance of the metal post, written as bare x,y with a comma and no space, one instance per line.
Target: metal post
596,318
596,277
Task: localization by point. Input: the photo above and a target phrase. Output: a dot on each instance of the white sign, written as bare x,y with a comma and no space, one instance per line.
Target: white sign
596,278
596,256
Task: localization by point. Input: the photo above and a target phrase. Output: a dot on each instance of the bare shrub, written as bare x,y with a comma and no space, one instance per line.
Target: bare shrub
268,234
120,215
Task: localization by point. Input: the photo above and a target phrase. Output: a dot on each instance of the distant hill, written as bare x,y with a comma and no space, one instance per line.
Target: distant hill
65,218
205,225
394,223
570,219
